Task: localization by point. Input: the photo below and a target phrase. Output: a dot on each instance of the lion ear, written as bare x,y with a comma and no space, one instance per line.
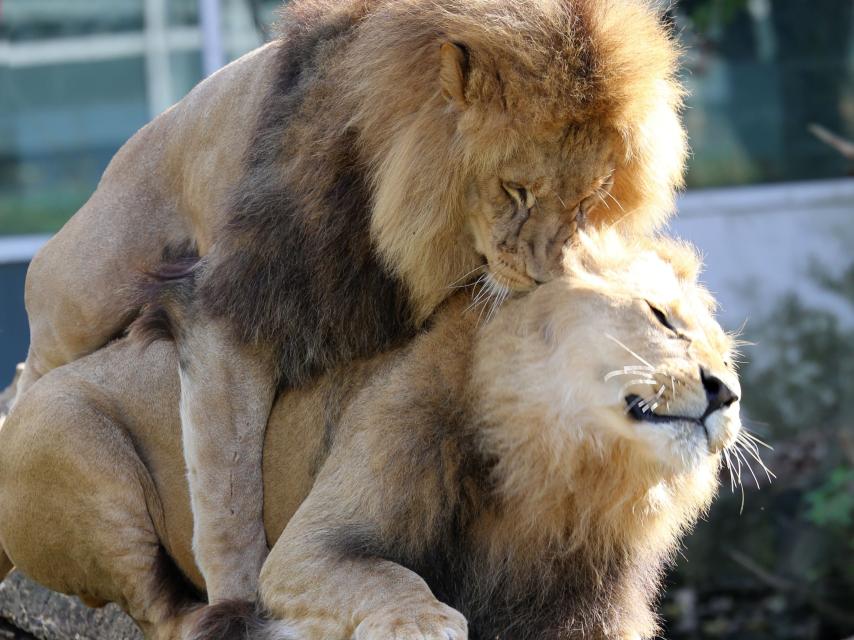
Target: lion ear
453,60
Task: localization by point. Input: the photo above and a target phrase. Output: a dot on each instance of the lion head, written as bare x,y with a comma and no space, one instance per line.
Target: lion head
614,383
500,128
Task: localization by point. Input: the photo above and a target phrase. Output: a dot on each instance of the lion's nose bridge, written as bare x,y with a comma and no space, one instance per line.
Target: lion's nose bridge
713,362
544,238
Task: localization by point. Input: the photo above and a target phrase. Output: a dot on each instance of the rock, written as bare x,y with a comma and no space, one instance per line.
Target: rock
51,616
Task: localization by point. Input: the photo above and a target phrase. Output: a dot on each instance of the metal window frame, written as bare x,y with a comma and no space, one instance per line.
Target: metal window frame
155,44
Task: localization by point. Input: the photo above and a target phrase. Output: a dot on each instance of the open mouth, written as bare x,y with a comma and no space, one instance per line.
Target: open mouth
640,414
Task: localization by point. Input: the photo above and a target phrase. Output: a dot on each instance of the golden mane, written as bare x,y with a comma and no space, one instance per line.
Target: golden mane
632,509
326,191
534,68
475,468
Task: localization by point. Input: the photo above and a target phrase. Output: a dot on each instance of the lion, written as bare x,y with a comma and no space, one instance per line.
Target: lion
319,198
526,475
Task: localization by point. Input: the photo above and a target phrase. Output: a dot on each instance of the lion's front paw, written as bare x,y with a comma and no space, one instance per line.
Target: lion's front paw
433,621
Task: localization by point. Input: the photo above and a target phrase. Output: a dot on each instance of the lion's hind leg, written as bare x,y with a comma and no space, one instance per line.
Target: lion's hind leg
77,285
78,507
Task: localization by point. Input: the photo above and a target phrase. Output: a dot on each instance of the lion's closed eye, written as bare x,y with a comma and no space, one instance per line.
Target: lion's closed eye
519,194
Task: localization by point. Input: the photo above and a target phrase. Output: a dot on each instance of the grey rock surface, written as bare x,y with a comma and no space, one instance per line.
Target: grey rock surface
51,616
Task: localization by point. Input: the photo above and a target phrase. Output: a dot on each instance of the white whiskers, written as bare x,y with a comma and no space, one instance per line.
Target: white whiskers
489,294
615,201
456,283
478,294
645,374
621,394
745,448
628,370
652,404
632,353
739,457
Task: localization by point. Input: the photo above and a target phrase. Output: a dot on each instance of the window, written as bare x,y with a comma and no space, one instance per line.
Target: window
77,79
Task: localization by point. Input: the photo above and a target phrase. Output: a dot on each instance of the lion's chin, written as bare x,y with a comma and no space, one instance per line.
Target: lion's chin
674,447
505,276
680,446
680,442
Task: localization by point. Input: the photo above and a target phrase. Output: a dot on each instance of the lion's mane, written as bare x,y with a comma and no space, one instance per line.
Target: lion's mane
351,209
473,456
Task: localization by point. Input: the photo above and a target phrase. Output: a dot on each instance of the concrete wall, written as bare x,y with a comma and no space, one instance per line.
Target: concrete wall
760,243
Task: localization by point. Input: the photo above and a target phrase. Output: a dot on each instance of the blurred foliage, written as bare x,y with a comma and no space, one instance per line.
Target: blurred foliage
705,14
832,503
782,569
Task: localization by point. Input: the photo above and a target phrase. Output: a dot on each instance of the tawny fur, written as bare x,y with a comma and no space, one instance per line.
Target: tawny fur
337,184
492,462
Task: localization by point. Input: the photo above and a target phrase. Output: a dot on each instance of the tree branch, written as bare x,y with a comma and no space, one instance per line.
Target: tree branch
829,138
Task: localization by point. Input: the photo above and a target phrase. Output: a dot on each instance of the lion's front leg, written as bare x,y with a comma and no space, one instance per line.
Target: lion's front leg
317,597
227,391
329,576
417,619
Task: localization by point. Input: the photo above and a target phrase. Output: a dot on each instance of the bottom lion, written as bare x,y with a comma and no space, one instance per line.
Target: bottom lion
525,475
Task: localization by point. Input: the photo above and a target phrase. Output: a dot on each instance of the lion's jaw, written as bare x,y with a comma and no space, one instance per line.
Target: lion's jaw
554,393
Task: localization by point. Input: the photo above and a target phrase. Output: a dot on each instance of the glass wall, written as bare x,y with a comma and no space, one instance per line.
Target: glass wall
77,79
765,76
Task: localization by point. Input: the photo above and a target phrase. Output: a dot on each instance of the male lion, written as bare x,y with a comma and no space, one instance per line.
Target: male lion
336,183
533,471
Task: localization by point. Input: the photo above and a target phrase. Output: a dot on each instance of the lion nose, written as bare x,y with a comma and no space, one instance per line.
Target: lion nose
717,393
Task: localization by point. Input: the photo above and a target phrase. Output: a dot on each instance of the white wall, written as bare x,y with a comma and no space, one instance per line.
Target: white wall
759,242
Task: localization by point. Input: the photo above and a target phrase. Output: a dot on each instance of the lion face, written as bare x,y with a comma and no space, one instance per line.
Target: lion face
668,382
522,216
623,352
545,117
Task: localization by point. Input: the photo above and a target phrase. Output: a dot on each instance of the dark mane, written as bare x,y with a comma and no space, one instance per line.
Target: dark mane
295,268
342,232
551,594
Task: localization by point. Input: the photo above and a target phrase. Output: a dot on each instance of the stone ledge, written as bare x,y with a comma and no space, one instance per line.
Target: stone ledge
51,616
